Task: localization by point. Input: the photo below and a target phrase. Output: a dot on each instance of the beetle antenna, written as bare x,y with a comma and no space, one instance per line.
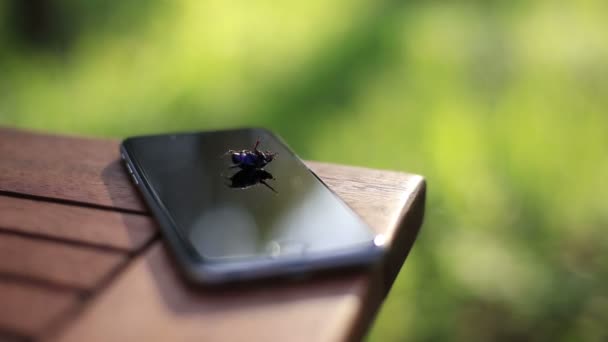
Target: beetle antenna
257,143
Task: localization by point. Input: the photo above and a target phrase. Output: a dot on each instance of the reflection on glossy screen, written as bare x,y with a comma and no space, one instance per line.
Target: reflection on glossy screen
227,210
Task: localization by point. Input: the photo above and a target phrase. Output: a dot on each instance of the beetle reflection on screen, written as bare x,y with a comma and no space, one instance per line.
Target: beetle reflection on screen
249,177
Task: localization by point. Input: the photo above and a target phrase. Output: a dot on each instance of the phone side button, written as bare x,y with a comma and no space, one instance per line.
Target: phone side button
134,179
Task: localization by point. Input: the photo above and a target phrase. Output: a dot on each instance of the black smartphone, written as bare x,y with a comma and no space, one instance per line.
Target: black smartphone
239,204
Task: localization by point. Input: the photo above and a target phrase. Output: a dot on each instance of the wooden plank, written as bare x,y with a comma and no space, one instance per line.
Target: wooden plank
151,302
383,199
56,263
380,197
105,228
90,171
67,168
29,310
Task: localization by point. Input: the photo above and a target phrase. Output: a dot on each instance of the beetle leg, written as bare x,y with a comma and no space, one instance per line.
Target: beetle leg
268,185
257,143
228,152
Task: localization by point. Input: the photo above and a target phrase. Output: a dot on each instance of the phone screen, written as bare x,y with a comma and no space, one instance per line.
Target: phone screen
226,208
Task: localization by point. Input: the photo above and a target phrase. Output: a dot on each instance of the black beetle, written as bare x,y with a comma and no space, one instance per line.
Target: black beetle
251,159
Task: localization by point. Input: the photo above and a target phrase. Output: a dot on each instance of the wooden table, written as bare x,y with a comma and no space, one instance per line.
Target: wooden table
81,260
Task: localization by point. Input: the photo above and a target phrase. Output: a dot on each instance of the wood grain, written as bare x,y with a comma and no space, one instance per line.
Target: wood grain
379,197
92,226
56,263
29,310
74,169
320,309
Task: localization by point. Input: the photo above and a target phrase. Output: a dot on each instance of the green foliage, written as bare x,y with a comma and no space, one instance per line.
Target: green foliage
502,106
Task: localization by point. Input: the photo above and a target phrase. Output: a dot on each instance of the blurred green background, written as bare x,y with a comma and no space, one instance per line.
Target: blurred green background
501,105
